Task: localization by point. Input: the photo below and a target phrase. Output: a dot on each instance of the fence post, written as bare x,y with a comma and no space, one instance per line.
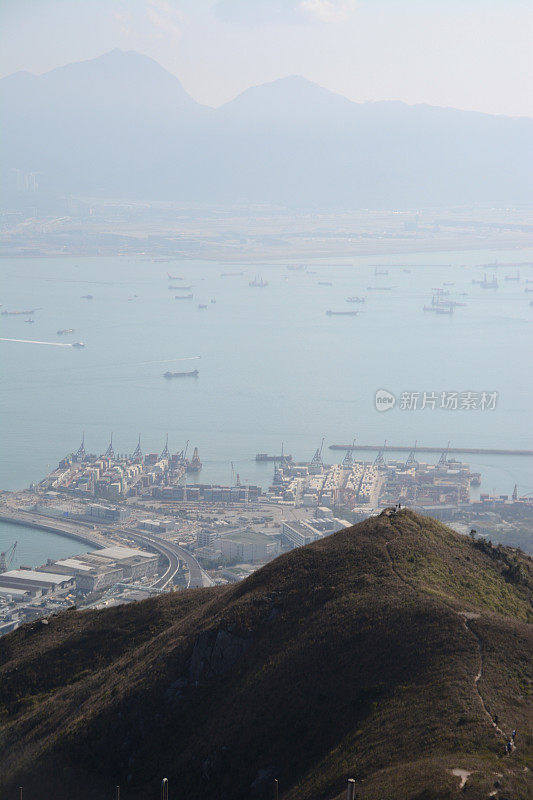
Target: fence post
350,793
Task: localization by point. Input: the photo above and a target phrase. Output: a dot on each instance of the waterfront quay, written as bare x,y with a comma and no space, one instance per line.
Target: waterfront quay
152,530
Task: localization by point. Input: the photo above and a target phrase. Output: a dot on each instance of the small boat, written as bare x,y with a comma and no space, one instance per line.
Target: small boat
296,267
191,374
379,288
443,310
325,283
407,270
183,297
78,344
26,313
174,277
380,271
355,299
448,283
65,331
230,274
331,313
258,282
181,288
30,321
486,284
87,297
202,305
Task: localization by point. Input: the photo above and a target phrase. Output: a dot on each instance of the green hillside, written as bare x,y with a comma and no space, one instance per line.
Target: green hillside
382,652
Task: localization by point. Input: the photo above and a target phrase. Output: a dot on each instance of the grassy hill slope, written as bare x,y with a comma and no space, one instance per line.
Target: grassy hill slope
381,652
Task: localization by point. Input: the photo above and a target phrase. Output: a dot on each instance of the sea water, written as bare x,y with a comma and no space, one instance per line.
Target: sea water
273,366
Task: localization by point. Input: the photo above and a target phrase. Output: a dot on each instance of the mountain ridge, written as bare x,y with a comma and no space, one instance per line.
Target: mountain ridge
121,125
357,655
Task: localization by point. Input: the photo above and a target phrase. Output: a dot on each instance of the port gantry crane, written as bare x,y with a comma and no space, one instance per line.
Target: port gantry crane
443,460
110,453
166,451
347,461
380,458
317,458
411,458
7,557
81,452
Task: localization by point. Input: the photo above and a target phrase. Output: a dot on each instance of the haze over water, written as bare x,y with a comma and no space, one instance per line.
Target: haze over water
273,366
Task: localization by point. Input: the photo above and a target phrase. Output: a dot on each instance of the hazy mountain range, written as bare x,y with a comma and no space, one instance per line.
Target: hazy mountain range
121,125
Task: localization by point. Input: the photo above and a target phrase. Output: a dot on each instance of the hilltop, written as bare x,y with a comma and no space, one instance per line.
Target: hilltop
382,652
120,125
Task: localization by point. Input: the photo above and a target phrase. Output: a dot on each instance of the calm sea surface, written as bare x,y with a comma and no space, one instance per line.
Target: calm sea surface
273,367
34,547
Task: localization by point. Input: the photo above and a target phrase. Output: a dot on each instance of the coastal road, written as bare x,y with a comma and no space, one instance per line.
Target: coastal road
174,553
85,533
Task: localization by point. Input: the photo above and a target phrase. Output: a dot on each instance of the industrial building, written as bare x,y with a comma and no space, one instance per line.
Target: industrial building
103,568
298,534
37,582
249,547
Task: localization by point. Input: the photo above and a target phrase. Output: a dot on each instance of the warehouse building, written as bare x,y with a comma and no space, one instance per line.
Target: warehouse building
36,582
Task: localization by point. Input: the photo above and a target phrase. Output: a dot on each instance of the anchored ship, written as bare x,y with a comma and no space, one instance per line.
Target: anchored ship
486,284
192,374
259,282
194,465
19,313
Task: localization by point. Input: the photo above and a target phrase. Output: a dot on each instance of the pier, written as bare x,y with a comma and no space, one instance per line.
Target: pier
477,451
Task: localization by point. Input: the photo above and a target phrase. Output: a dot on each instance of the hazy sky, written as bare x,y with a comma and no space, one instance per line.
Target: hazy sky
472,54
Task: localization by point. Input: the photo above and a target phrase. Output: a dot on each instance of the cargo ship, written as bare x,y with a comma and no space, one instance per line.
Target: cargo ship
19,313
258,282
193,373
486,284
266,457
331,313
194,465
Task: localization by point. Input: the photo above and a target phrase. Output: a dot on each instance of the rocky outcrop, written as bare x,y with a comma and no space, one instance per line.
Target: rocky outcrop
215,653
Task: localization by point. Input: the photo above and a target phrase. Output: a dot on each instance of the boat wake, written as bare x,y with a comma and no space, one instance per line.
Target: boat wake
32,341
